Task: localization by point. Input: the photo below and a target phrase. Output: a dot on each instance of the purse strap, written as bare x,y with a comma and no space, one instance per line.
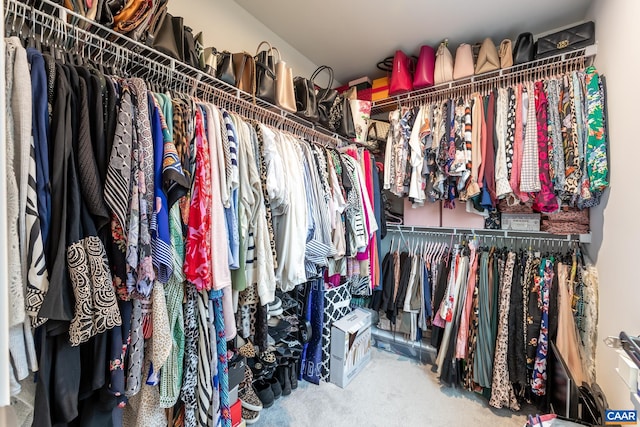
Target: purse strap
319,70
386,64
275,49
267,43
443,46
373,126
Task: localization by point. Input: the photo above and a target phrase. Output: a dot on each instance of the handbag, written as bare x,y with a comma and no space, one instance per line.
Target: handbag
306,104
342,116
137,30
285,93
463,65
210,61
488,59
425,67
566,40
265,74
130,17
524,50
506,54
199,47
190,53
154,23
169,39
371,143
225,70
361,111
244,67
325,98
443,71
401,79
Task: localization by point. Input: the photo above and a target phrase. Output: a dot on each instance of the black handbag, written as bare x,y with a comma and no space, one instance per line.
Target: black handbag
306,105
346,128
155,23
265,74
524,49
190,54
325,98
341,117
225,70
566,40
169,37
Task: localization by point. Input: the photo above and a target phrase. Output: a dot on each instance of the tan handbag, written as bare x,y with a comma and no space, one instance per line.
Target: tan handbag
244,67
285,93
444,64
506,54
463,66
488,59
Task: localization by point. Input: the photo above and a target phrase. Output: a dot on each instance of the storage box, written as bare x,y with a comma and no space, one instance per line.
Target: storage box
380,89
423,216
520,222
628,371
364,94
233,395
362,82
350,346
458,217
236,372
236,413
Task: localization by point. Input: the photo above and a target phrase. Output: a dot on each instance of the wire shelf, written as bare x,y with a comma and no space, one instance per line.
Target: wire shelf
539,236
544,67
51,24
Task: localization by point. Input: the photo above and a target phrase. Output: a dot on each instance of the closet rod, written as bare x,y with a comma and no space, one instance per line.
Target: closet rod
73,33
539,68
482,232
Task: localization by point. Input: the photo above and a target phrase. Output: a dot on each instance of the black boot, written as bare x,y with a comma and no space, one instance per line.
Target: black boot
293,374
284,379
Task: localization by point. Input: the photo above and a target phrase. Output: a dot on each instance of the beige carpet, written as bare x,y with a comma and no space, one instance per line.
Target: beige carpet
392,391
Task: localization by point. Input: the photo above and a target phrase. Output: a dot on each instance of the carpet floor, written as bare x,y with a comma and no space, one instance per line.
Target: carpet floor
391,391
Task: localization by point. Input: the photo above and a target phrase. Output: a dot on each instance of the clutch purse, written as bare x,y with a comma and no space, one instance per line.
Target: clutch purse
566,40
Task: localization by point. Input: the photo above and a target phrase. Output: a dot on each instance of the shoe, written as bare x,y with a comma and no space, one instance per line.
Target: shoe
275,308
275,305
247,350
278,328
293,374
284,378
249,416
265,393
287,301
275,387
250,399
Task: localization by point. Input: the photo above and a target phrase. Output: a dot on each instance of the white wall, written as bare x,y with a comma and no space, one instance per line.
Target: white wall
615,222
227,26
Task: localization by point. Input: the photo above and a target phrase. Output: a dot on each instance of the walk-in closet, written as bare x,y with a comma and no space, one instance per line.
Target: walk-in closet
231,213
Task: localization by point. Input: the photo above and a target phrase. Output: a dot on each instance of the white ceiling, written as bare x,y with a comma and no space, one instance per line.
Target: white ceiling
353,35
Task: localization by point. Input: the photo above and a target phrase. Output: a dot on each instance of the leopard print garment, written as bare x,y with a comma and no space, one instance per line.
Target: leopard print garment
502,393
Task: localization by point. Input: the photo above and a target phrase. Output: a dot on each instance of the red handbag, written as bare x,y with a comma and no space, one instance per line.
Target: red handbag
424,68
401,79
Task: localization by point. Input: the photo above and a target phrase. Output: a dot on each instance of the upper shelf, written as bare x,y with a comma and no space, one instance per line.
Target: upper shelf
51,23
551,65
